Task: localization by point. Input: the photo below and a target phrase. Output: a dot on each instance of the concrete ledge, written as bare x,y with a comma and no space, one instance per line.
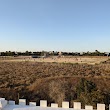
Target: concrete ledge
29,108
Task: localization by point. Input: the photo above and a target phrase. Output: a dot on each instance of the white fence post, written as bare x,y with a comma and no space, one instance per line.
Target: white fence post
43,103
100,106
77,105
54,105
3,103
22,101
10,102
65,104
87,107
32,103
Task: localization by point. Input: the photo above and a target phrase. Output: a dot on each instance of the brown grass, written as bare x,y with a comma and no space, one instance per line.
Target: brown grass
52,81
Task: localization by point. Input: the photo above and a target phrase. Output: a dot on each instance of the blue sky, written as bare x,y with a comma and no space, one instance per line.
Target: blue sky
59,25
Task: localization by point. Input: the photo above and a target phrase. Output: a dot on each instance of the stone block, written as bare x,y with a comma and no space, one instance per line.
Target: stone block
54,105
10,102
32,103
43,103
3,103
77,105
100,106
22,101
87,107
65,104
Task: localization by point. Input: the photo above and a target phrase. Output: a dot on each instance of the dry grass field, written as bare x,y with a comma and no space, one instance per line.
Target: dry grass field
74,59
84,79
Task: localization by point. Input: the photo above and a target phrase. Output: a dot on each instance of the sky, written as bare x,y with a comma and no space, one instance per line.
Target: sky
55,25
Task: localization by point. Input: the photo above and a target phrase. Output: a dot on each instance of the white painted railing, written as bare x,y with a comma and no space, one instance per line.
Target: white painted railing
10,105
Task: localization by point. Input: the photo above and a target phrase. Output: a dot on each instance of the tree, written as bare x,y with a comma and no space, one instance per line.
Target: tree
88,93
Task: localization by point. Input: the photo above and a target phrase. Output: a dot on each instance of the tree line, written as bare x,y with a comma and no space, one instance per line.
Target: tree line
54,53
